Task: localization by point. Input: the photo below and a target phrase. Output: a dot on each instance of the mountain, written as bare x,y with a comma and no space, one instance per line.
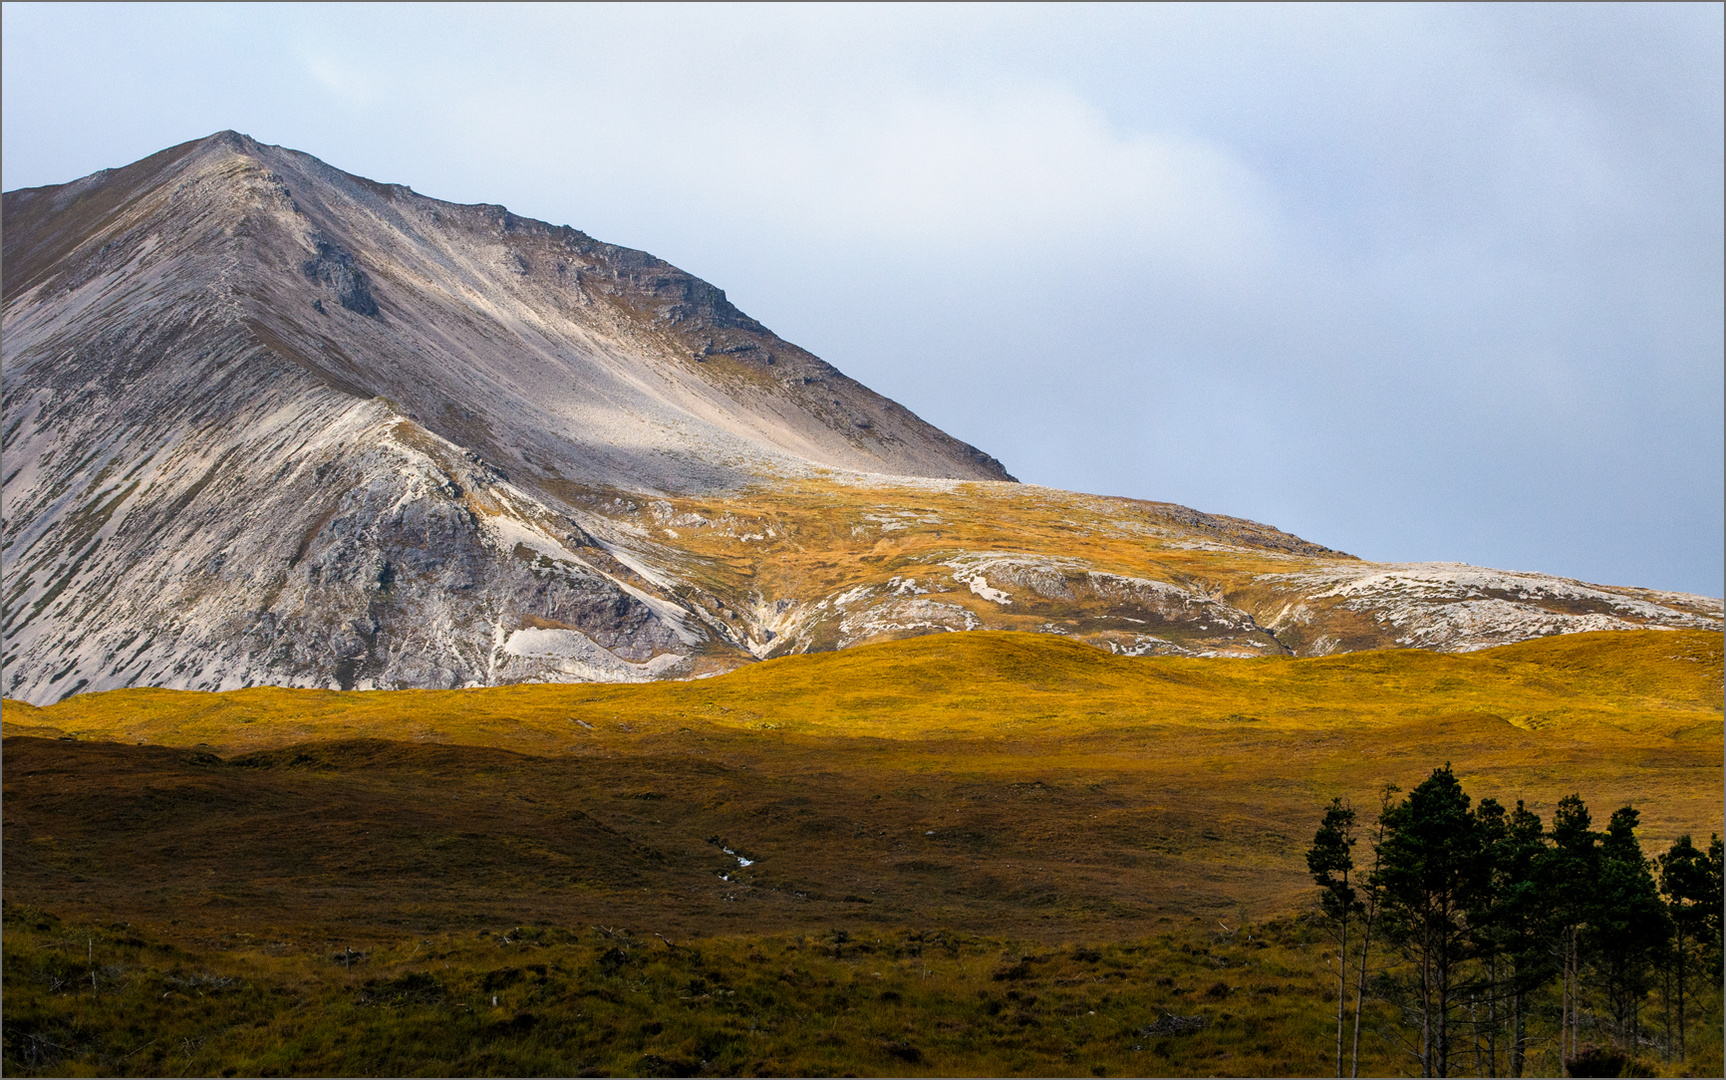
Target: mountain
266,422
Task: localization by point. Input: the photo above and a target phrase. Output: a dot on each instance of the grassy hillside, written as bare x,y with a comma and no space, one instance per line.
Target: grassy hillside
1022,795
1664,684
944,774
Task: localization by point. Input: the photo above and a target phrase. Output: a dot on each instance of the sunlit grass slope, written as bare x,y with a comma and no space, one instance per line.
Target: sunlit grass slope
1664,685
986,779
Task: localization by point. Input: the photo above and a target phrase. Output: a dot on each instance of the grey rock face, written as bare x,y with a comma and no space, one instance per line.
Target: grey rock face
268,422
334,267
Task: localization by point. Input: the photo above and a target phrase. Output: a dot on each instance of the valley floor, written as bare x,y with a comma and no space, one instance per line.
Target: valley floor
544,1000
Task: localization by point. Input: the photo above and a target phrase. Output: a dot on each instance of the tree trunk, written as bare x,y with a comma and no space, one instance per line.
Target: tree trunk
1666,1007
1360,988
1372,900
1576,990
1441,1051
1518,1030
1492,1017
1341,989
1474,1025
1565,1027
1564,1015
1426,1009
1681,1054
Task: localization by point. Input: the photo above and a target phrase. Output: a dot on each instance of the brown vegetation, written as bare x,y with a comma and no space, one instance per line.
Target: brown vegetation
1020,792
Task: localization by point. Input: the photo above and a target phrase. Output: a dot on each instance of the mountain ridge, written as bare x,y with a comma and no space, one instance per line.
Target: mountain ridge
688,319
269,422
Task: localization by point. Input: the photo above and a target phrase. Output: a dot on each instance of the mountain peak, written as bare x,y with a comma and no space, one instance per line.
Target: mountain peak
266,421
590,336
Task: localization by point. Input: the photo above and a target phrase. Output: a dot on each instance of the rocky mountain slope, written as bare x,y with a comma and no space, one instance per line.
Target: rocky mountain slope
268,422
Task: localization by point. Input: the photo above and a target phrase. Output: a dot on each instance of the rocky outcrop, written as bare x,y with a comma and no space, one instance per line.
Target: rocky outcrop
333,266
1454,607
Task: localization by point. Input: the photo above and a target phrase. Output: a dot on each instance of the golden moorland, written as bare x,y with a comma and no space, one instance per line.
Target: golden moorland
982,852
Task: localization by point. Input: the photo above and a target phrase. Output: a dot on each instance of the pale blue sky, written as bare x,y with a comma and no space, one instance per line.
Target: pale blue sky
1416,282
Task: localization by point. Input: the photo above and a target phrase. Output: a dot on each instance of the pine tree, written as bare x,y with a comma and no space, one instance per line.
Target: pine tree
1431,866
1507,926
1568,874
1524,922
1717,906
1687,885
1489,932
1372,903
1629,928
1331,861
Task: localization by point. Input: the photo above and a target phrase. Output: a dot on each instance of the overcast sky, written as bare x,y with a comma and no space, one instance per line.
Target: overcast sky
1414,282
